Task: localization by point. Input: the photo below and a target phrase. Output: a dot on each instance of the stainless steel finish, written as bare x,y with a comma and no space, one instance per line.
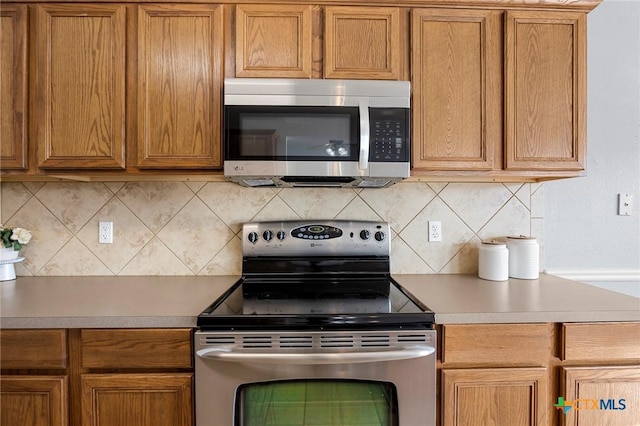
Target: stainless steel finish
272,172
365,132
363,94
349,243
218,376
302,92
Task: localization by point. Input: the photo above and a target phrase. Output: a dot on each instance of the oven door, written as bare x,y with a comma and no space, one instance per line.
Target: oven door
304,378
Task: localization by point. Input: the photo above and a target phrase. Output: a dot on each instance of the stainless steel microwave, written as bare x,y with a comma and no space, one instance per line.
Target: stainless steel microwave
296,132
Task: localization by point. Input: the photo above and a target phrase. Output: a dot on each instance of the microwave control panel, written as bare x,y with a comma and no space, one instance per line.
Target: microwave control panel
389,136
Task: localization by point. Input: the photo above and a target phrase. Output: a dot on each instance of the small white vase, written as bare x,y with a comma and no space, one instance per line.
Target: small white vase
8,253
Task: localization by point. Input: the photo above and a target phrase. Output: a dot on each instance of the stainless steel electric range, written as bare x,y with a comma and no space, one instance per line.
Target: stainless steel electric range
315,332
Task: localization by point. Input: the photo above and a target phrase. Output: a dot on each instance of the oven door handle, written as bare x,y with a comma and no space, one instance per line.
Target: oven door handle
396,354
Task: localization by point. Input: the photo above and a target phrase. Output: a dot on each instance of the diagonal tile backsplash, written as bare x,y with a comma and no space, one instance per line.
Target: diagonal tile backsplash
191,228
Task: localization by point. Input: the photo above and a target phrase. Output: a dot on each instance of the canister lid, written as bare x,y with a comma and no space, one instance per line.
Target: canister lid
494,242
520,237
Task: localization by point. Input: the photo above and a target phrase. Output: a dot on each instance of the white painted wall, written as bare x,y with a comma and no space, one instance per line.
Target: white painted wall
581,225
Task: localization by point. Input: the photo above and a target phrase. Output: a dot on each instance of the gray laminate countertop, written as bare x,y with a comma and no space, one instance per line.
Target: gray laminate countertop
131,302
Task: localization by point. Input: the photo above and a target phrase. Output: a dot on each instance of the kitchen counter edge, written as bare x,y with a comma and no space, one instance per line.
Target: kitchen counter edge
164,302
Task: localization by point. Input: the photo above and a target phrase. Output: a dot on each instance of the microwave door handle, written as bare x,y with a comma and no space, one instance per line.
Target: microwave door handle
365,134
225,354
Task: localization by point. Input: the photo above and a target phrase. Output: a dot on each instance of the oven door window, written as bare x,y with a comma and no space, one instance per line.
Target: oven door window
317,402
288,133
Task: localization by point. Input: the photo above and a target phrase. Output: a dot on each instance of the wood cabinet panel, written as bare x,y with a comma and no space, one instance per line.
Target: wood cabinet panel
619,387
179,86
492,343
79,86
13,87
545,90
33,400
137,399
499,396
33,349
273,41
457,89
136,348
362,42
601,341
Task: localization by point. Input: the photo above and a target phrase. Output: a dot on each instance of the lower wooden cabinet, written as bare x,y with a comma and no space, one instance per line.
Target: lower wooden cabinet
33,400
137,399
91,377
494,396
602,395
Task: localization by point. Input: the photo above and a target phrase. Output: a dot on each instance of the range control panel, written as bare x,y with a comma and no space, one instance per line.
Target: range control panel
316,238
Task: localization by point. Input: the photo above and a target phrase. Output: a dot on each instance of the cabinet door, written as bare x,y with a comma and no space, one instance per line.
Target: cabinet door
180,84
497,396
137,399
545,90
13,87
362,42
79,86
614,390
457,78
33,400
273,41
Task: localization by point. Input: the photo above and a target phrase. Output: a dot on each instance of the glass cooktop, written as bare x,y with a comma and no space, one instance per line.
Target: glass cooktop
295,303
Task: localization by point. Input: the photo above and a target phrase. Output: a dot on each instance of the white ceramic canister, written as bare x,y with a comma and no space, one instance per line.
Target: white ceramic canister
493,261
524,257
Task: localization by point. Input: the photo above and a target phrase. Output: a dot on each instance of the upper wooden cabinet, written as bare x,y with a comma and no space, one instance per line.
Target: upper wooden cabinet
180,50
273,41
362,43
545,90
13,84
79,91
457,77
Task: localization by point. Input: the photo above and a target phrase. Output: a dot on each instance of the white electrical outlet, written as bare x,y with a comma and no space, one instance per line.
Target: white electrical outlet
105,232
625,205
435,231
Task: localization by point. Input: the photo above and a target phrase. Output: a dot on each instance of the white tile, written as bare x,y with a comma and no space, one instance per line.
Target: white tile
405,261
475,203
357,209
228,261
195,235
74,203
129,235
512,219
74,259
455,234
233,203
524,195
399,203
155,203
317,203
275,209
465,261
12,197
155,259
49,234
537,202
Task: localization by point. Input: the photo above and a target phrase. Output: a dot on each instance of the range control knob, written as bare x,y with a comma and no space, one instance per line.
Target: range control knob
267,235
364,234
253,237
281,235
379,236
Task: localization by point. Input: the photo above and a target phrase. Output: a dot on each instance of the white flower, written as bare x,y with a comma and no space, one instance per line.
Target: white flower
21,235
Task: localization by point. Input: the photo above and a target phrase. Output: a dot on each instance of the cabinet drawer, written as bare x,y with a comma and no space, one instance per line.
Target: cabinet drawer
497,343
31,349
601,341
136,348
